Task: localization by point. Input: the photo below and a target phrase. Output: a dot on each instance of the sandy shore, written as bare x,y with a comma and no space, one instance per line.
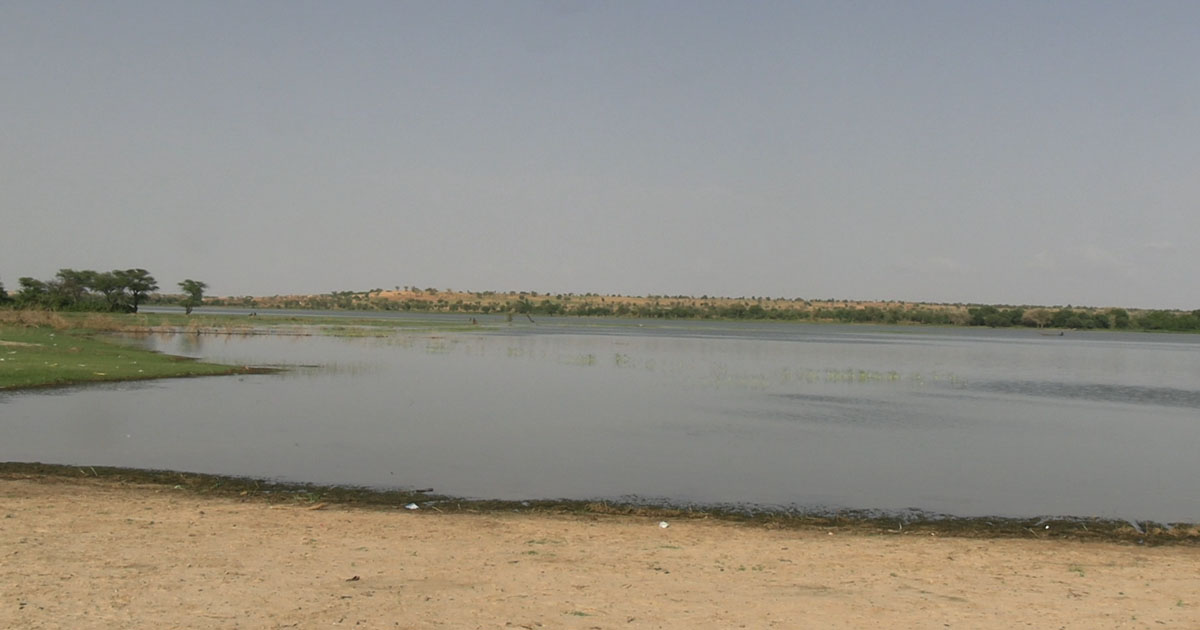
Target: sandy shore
97,554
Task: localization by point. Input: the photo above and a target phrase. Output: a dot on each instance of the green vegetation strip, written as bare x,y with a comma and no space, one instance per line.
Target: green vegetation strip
48,349
267,324
863,523
46,357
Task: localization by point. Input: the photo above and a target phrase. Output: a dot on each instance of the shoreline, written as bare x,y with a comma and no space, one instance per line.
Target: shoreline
104,553
861,522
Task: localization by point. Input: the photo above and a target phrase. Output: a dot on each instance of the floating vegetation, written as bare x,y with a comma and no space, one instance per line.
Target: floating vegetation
852,375
720,374
585,360
438,345
403,341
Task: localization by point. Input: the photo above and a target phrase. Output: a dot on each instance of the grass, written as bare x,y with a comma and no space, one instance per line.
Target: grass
48,349
44,356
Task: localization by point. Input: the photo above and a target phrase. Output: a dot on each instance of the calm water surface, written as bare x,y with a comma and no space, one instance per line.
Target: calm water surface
960,421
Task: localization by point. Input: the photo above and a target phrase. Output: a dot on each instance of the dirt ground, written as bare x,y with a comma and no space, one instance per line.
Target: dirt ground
96,554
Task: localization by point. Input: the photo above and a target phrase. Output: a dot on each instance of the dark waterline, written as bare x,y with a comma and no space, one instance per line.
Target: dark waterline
960,421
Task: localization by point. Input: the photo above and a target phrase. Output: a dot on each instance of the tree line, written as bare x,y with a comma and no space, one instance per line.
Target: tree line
124,290
116,291
1076,318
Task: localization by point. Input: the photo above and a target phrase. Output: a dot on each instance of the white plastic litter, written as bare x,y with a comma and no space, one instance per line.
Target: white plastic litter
412,506
664,524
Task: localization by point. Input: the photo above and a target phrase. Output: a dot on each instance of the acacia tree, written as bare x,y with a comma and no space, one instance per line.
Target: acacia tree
138,282
33,292
70,287
195,294
112,288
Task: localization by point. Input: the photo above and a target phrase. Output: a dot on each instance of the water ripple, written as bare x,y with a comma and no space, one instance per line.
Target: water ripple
1104,392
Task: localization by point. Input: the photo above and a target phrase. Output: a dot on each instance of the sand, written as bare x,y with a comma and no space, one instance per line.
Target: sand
98,554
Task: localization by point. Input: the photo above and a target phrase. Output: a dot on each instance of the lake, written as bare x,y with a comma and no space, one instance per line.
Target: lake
969,422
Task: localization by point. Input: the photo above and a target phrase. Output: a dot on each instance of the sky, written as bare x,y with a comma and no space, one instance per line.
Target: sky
992,152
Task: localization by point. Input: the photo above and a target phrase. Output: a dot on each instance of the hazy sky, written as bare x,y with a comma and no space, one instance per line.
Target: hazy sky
1005,152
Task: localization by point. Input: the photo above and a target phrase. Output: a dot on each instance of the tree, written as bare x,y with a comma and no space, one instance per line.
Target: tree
112,287
195,294
3,295
33,293
1120,318
984,315
71,286
138,282
1038,317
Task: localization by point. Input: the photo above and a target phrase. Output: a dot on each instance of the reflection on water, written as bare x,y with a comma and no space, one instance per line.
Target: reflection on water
963,422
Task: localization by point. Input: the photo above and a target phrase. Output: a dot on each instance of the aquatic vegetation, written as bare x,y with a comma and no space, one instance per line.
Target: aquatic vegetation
584,360
786,376
438,345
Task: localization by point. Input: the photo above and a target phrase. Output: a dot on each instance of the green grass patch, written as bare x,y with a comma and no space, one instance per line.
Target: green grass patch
47,357
47,349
